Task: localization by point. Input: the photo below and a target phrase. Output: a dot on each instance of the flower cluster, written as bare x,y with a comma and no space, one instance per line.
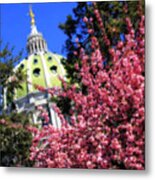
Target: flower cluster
107,121
100,23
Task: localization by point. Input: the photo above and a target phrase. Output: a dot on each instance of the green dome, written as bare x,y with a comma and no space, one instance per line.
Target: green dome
41,69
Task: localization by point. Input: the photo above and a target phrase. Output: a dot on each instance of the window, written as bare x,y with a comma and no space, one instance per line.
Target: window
22,66
53,69
36,72
35,61
49,58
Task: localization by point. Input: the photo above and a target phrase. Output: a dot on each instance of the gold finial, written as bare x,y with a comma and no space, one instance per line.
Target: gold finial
32,16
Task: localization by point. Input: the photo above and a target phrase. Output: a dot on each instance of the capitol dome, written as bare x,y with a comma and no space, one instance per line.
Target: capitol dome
40,68
43,68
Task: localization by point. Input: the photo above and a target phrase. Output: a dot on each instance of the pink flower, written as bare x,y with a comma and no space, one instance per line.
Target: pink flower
91,19
76,66
85,19
120,44
2,121
90,31
90,165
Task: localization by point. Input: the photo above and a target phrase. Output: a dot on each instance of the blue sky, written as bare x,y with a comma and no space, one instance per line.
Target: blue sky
15,24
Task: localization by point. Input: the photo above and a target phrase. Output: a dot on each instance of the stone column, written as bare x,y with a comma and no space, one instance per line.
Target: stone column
30,49
37,43
41,45
53,120
34,118
33,47
45,46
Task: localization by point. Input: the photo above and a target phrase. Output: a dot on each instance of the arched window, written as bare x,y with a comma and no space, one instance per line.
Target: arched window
36,72
35,61
22,66
53,69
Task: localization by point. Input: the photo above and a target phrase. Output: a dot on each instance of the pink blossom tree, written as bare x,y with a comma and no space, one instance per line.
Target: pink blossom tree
106,129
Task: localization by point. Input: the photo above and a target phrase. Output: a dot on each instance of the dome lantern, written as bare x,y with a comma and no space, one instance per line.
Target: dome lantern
35,41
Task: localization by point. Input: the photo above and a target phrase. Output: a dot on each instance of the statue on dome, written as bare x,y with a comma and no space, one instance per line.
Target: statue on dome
32,16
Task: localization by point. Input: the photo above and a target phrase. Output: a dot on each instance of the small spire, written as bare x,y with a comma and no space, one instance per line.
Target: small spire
31,14
36,42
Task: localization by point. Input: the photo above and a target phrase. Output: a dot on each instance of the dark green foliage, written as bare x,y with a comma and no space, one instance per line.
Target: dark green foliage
9,78
15,141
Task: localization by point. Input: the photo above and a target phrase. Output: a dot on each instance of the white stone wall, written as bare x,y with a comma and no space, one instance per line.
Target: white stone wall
29,103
